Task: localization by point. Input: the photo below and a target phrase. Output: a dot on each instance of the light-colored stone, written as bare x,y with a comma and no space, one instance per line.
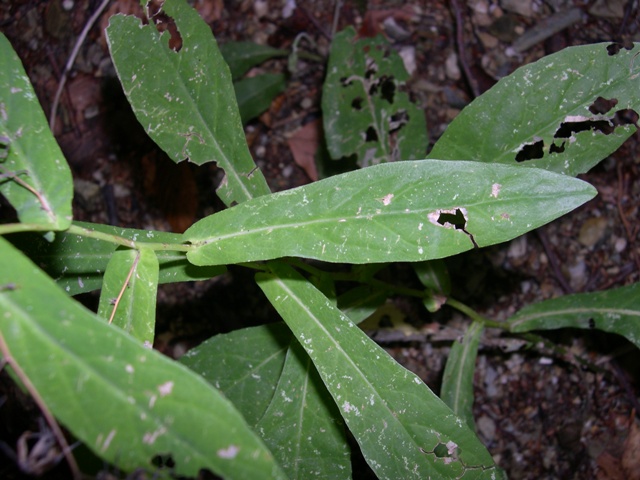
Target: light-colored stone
592,231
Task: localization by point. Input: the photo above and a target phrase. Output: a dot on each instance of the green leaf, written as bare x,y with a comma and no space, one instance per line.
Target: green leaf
127,403
77,263
34,175
302,426
457,381
128,296
435,277
400,425
616,311
403,211
270,379
550,110
365,111
361,302
185,100
255,94
241,56
245,365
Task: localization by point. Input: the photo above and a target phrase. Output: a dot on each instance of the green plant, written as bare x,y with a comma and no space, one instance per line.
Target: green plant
274,401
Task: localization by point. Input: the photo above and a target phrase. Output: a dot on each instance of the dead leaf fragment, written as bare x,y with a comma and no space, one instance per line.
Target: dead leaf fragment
303,144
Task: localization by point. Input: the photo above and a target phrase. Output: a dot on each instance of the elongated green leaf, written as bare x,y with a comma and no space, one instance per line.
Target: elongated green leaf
126,402
361,302
403,211
365,111
245,365
77,263
564,113
403,429
128,296
457,382
241,56
29,155
255,94
185,100
616,311
302,425
270,379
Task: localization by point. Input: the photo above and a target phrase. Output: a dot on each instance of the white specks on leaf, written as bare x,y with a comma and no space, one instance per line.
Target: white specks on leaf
129,368
150,438
495,190
576,118
107,441
228,453
451,447
386,200
166,388
348,408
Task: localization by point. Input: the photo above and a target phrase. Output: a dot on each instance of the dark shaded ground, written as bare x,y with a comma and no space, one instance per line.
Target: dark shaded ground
541,414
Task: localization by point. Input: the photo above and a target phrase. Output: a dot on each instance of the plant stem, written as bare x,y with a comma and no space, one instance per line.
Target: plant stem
23,227
126,242
473,315
107,237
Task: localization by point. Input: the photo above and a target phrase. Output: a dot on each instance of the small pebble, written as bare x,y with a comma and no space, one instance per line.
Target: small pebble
620,244
451,66
592,231
486,427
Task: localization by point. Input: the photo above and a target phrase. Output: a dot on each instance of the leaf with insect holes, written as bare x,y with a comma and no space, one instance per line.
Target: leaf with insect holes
457,380
34,175
77,263
270,379
565,112
403,429
365,110
128,296
615,311
392,212
125,402
185,99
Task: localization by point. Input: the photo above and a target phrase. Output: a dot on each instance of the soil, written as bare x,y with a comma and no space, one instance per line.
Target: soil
538,409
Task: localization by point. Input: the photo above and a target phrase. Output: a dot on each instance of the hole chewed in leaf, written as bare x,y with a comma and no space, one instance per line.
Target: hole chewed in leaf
556,148
356,103
615,47
578,123
387,89
371,135
531,151
164,23
626,116
601,105
398,120
163,461
447,452
455,218
573,124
